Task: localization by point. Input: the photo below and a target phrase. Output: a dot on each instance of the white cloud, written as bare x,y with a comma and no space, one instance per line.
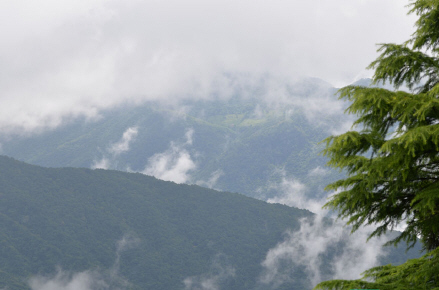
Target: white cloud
114,150
172,165
213,179
175,164
124,143
318,171
65,59
189,136
347,256
212,280
294,193
128,241
89,279
311,97
103,163
86,280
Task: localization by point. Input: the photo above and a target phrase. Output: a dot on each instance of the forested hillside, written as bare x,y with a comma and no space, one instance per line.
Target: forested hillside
73,218
136,231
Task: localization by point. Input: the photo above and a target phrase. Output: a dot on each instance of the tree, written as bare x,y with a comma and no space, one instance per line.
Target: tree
392,160
415,274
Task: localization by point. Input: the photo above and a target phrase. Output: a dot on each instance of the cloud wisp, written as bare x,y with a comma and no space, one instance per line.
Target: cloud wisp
124,143
323,251
293,192
322,248
89,279
213,179
220,272
114,150
175,164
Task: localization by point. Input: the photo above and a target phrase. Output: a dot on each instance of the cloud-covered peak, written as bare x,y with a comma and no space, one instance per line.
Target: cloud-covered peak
65,59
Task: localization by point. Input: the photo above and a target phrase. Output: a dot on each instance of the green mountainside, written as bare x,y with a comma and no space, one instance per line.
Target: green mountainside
73,218
247,143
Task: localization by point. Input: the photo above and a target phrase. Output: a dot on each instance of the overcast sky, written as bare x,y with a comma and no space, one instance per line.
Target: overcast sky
63,59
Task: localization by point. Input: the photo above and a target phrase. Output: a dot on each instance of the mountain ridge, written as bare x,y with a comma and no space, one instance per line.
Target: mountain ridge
244,142
76,218
48,216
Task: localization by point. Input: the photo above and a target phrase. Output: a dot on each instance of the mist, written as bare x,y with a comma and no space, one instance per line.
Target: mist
175,164
212,181
93,279
214,279
346,254
294,192
73,59
112,152
87,280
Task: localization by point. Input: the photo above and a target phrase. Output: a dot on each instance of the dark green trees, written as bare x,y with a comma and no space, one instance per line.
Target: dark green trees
392,161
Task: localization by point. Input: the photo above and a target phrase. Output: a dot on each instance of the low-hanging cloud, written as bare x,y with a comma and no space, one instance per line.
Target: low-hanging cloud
293,192
213,179
220,271
114,150
175,164
318,240
67,59
103,163
124,143
324,251
90,279
87,280
315,99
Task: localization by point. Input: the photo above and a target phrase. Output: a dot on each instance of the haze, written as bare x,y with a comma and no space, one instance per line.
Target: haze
67,59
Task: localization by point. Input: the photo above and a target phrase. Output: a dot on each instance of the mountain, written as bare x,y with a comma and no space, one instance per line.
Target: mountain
131,231
73,218
246,143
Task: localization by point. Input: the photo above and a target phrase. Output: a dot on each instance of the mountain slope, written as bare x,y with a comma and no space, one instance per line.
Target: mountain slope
73,218
241,144
130,227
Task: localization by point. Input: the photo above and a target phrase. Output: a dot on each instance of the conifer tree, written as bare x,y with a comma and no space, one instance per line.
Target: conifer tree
392,160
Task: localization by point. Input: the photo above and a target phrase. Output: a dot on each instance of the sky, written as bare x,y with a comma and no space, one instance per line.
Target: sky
68,59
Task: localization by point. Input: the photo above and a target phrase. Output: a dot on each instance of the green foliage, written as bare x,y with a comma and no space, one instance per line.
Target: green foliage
415,274
392,161
390,177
